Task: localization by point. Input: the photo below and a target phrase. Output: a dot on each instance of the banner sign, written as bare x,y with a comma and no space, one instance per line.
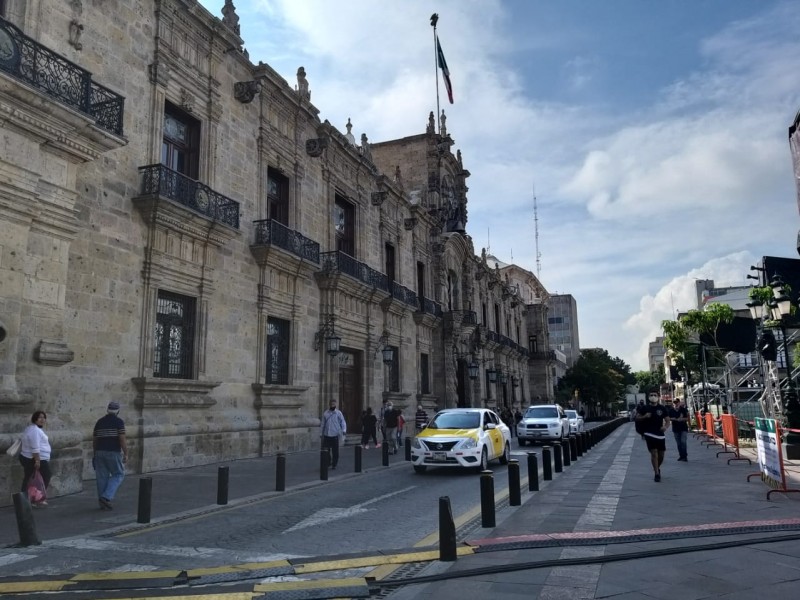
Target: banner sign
770,458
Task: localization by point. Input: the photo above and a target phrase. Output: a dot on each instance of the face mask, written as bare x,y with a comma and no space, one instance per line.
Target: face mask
333,407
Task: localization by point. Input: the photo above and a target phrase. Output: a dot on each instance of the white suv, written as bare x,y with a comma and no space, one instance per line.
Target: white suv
545,423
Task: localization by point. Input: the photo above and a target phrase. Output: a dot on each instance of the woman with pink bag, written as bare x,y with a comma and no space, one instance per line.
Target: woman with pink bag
35,459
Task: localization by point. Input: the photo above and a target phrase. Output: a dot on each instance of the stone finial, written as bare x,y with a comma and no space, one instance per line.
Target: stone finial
431,124
349,135
458,158
229,17
398,178
483,255
443,127
302,84
365,151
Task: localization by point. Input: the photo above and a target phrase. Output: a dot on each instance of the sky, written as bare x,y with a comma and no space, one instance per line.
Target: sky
654,135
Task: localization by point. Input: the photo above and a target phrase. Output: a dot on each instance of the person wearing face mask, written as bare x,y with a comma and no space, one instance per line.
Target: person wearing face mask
655,420
332,426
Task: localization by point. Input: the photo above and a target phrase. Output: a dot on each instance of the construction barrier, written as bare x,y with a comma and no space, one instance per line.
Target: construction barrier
730,438
770,456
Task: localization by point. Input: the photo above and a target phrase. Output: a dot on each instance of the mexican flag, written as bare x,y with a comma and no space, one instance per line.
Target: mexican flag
445,71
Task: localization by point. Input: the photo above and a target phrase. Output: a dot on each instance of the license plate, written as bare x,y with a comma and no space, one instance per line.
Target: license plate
440,456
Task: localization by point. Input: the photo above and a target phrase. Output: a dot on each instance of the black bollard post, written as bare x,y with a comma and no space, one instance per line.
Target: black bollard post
533,472
408,448
222,485
487,499
573,447
558,458
324,463
385,454
579,444
280,472
26,526
357,450
547,465
514,493
565,449
145,497
447,531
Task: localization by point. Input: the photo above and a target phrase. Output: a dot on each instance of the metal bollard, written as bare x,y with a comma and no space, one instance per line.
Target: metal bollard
324,463
447,531
565,450
558,458
514,492
26,526
573,448
385,454
547,465
487,499
357,450
280,472
407,443
222,485
145,497
533,472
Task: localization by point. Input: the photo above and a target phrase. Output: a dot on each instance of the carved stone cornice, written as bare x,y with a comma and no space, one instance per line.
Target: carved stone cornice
155,392
163,212
278,396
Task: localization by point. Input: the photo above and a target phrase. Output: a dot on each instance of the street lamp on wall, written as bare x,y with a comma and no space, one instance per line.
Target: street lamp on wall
502,377
472,369
385,349
492,375
327,335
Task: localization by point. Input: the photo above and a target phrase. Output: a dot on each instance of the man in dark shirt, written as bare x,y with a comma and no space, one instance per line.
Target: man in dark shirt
655,420
679,417
110,454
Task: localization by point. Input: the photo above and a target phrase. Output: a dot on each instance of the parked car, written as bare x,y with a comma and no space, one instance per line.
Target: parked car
575,421
461,437
543,423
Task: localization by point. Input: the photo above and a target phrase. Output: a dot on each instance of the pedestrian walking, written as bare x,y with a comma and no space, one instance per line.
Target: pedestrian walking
110,455
332,429
679,418
401,423
369,424
420,418
34,456
390,422
382,419
654,419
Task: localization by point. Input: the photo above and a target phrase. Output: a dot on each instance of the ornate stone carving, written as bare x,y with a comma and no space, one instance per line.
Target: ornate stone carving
315,147
53,352
302,84
365,151
378,198
229,17
186,100
410,223
245,91
75,31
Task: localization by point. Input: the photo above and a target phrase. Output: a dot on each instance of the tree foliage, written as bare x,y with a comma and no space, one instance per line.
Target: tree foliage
597,377
649,381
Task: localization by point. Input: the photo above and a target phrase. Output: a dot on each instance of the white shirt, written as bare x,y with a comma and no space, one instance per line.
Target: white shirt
34,441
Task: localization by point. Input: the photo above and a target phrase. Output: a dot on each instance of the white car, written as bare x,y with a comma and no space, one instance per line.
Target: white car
543,423
461,437
575,421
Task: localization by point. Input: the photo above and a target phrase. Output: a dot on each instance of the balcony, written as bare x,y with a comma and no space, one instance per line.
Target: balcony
430,307
161,181
272,233
339,262
59,78
404,295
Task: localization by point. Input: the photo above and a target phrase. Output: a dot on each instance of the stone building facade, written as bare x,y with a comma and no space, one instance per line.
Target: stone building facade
181,233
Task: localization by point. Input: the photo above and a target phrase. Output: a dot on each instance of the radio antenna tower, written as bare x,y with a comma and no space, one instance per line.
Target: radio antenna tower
536,235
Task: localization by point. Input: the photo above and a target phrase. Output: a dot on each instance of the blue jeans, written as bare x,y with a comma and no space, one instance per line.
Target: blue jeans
110,472
680,439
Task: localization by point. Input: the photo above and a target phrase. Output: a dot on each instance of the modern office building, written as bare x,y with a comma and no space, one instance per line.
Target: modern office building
562,323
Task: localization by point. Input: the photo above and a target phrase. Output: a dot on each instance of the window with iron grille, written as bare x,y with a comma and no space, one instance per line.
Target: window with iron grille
533,343
424,374
278,196
277,351
421,283
389,256
180,146
174,336
344,222
394,370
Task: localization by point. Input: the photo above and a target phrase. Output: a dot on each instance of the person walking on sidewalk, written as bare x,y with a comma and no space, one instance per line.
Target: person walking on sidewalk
679,418
110,455
331,429
369,423
390,422
655,421
34,453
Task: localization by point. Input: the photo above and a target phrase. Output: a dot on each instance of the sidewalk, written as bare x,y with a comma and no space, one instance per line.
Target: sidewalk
610,494
175,492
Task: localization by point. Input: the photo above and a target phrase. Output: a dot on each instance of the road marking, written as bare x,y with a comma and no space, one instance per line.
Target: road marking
326,515
10,559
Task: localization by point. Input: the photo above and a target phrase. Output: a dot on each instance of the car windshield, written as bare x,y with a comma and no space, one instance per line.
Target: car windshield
541,412
572,414
469,420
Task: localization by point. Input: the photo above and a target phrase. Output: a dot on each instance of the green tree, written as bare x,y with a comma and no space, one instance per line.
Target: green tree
597,378
649,381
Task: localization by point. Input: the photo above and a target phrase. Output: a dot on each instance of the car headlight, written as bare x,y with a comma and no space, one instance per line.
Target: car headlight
468,443
554,425
416,444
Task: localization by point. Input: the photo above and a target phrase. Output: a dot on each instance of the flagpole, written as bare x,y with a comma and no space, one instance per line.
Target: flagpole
434,20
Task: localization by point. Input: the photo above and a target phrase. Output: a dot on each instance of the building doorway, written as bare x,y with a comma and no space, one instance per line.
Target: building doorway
350,401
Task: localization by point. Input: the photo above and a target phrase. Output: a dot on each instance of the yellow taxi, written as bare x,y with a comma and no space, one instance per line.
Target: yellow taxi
461,437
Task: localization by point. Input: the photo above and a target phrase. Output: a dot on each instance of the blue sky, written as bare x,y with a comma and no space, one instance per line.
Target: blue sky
654,132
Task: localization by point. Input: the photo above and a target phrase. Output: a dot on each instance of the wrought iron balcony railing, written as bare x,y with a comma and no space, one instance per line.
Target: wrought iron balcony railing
493,336
161,180
431,307
270,232
469,318
59,78
344,263
405,295
546,355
